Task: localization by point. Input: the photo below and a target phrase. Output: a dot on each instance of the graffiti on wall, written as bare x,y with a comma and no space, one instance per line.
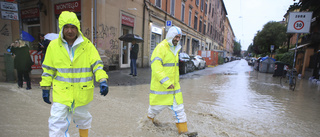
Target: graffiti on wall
107,43
87,33
4,30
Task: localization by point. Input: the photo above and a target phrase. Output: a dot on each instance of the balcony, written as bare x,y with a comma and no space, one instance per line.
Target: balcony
313,37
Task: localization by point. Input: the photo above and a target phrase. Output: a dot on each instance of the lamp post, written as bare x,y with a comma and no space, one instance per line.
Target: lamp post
271,48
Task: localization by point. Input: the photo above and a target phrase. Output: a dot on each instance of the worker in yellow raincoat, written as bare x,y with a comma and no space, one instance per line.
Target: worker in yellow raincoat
69,66
165,88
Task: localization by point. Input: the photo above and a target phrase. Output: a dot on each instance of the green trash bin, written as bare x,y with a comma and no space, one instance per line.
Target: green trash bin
279,68
9,66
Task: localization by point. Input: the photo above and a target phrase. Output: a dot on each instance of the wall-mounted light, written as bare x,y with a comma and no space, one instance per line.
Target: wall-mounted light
42,7
132,8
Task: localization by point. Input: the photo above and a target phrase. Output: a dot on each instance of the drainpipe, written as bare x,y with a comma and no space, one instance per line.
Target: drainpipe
288,43
165,18
95,23
92,21
143,27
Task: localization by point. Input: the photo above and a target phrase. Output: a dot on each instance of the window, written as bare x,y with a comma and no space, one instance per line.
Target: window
221,11
212,11
195,22
172,7
182,11
158,3
209,8
202,4
205,9
183,40
190,12
200,25
204,27
197,2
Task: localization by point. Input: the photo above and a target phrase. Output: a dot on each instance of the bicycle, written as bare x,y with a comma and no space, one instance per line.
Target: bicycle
287,75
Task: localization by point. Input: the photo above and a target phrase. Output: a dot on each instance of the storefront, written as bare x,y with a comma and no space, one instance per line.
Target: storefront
127,27
31,24
74,6
156,37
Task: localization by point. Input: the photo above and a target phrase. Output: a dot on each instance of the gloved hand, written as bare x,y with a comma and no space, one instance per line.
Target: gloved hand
46,95
104,88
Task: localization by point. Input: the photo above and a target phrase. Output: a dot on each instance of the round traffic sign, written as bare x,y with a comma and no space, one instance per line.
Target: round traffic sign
298,25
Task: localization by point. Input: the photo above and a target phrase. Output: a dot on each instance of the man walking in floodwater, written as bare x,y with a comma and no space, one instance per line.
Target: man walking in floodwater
69,66
165,88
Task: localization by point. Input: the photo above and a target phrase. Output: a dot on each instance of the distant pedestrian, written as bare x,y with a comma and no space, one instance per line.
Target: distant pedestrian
165,89
43,45
134,49
22,62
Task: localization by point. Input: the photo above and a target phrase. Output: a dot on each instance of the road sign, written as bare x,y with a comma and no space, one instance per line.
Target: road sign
9,15
299,22
168,23
272,47
9,6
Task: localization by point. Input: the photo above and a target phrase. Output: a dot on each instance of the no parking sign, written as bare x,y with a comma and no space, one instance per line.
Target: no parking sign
299,22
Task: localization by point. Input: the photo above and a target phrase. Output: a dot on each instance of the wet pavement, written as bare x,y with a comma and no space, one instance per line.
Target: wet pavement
227,100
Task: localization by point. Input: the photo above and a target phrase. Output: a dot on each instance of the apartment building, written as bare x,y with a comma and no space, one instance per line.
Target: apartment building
189,15
104,21
229,37
216,21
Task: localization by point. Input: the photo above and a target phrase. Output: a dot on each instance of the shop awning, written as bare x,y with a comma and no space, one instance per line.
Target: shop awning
300,46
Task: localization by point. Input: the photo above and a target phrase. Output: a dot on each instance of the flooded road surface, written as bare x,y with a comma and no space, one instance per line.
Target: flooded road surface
228,100
243,102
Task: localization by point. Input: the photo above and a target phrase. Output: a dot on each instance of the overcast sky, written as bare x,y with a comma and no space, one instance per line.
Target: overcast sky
248,16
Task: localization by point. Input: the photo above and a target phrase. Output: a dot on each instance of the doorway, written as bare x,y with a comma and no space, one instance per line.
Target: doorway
124,56
155,40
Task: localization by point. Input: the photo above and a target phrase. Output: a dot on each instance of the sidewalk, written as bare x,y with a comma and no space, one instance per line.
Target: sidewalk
119,77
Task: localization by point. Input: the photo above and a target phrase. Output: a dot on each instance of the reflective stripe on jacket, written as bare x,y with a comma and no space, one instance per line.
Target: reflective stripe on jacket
165,71
72,80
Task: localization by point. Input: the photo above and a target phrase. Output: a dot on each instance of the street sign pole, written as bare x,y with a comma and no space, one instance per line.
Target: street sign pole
295,50
299,22
271,48
20,21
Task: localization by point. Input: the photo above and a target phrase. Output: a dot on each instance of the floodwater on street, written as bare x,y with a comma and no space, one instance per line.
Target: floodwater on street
228,100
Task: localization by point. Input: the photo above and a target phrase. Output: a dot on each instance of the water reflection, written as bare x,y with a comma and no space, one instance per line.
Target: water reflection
250,103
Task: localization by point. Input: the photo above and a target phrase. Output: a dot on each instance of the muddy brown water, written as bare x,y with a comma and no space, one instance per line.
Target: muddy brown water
221,101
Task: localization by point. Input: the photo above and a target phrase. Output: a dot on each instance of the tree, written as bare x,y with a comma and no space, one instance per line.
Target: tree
250,50
237,49
273,33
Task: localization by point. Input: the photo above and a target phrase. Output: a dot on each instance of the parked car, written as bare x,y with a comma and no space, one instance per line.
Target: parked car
185,63
198,62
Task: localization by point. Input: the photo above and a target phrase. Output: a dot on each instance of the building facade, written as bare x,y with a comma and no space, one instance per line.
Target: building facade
104,21
229,37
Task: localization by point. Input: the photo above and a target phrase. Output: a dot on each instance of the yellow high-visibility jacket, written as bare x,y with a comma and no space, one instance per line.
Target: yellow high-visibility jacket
165,71
71,77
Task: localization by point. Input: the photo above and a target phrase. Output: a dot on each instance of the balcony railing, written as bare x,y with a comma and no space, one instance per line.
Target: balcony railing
313,37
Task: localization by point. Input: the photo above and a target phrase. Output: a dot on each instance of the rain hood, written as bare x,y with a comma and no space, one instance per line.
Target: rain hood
172,32
68,17
65,18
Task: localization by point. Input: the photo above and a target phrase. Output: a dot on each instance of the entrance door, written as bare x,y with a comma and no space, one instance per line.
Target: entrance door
34,30
188,46
155,40
124,57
